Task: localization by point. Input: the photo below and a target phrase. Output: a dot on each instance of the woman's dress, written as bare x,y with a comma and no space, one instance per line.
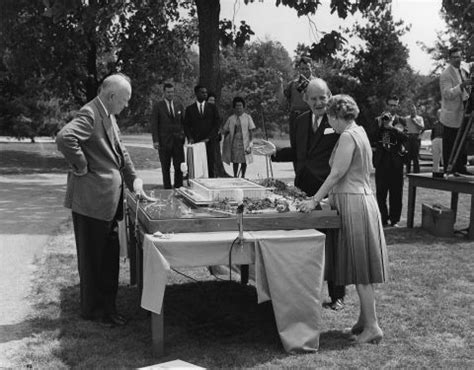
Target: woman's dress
361,253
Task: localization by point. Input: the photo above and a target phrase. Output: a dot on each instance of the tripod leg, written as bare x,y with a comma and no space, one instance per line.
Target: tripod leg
459,142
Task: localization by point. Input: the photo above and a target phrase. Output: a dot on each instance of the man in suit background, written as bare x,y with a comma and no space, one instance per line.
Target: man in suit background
100,166
314,142
388,139
201,123
455,87
168,135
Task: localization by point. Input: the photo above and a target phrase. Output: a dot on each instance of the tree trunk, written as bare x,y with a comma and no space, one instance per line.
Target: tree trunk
91,84
209,67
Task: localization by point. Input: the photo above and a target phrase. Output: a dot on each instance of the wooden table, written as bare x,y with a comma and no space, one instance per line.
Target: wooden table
455,185
177,215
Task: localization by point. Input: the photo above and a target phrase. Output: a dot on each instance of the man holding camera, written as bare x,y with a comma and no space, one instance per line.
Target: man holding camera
455,86
389,138
293,94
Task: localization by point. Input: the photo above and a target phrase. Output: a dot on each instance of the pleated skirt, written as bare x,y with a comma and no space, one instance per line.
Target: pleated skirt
360,255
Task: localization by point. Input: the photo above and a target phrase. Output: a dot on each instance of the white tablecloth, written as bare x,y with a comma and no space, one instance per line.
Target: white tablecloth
196,159
289,269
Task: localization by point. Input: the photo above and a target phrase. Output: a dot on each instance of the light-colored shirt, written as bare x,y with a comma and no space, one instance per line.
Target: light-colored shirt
415,125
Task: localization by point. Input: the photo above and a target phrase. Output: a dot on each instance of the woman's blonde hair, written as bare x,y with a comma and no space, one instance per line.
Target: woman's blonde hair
342,106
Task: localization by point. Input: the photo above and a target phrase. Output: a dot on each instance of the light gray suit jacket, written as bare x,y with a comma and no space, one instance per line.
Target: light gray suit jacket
452,108
91,142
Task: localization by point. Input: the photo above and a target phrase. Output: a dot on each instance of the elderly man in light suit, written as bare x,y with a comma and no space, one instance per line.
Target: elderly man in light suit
455,88
100,166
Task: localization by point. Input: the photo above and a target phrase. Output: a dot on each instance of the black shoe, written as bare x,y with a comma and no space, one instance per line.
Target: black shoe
114,319
336,305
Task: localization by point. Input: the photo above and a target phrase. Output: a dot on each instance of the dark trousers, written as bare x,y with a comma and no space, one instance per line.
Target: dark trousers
389,181
175,153
211,157
98,252
449,136
336,291
412,145
330,262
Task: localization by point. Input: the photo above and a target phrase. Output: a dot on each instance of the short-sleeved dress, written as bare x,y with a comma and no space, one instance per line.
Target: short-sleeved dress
361,253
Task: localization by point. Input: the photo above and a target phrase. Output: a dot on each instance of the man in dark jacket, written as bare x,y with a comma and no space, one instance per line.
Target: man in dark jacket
388,139
168,135
314,142
201,123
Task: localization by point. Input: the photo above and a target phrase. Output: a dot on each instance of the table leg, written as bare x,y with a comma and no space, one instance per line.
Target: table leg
244,274
411,204
139,264
132,252
454,203
157,334
470,232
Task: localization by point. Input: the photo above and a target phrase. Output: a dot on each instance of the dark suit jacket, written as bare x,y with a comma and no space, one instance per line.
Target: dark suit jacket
389,151
311,153
200,127
165,129
90,142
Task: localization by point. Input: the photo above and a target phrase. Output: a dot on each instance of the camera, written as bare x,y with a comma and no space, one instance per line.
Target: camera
386,117
302,83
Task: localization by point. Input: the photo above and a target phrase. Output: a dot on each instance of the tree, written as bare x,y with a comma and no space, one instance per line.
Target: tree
379,62
68,47
208,16
252,72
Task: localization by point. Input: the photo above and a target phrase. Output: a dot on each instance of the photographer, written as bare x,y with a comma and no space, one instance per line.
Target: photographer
388,140
293,94
455,86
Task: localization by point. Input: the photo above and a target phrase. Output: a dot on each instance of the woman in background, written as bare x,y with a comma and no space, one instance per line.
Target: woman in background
238,138
361,250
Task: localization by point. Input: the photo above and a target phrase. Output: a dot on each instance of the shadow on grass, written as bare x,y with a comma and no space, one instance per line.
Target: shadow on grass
16,162
202,321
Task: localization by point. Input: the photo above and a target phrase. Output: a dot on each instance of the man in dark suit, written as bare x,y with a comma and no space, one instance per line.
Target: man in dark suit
100,166
168,135
201,123
314,142
388,139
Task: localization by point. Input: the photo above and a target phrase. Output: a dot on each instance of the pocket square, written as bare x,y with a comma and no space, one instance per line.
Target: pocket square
328,131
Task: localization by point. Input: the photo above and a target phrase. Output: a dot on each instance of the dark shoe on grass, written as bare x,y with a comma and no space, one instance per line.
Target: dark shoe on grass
336,305
114,319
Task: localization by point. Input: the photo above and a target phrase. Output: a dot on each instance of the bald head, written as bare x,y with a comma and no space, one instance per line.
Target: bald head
316,95
115,92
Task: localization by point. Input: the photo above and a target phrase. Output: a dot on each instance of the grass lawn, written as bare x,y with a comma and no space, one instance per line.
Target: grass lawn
425,311
26,158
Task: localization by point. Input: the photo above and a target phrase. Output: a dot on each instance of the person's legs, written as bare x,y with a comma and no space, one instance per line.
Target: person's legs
395,193
449,136
210,151
371,331
165,160
416,156
235,169
336,293
243,169
90,241
437,150
110,263
178,158
381,186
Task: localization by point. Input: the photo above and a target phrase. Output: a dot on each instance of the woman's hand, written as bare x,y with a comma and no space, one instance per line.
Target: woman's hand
308,205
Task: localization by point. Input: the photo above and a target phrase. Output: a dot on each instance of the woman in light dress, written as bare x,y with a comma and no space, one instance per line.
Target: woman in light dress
237,146
361,250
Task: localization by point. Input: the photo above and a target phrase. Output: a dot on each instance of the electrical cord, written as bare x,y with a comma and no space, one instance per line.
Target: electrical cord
187,276
230,256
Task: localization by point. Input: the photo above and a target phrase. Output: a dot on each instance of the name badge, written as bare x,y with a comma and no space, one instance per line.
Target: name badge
328,131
